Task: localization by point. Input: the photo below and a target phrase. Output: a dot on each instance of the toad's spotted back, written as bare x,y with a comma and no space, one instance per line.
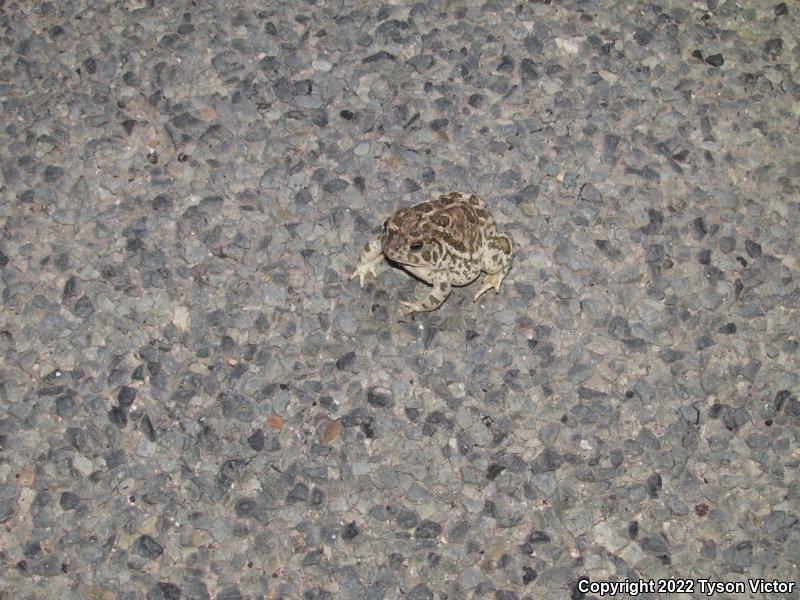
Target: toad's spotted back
445,241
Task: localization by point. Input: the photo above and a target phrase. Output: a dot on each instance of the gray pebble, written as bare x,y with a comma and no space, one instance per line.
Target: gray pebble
548,460
147,547
655,254
753,248
655,544
739,555
727,244
421,62
420,592
66,407
427,530
406,519
47,566
52,173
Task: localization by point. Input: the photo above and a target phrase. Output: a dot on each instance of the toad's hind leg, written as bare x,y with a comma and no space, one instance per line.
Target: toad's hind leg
497,260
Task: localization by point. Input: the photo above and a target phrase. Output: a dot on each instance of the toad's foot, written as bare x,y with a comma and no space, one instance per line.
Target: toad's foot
492,280
371,256
365,268
439,293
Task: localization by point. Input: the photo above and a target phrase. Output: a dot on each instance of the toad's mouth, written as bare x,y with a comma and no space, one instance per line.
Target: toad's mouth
415,271
401,258
402,262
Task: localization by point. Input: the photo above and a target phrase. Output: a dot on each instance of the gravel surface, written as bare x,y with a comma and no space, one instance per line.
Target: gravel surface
196,401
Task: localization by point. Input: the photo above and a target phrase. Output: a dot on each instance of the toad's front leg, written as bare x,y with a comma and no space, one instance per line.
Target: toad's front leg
438,294
371,257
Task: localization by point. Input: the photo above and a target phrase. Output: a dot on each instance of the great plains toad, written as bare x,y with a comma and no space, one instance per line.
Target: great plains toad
445,241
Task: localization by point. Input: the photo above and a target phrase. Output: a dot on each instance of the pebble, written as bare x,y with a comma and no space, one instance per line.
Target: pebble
570,46
361,149
181,317
609,537
753,248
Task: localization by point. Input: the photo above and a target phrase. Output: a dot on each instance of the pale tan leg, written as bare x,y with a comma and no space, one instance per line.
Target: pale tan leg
492,280
371,257
496,264
439,293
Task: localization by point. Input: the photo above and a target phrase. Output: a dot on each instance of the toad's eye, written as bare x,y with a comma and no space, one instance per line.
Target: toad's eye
415,247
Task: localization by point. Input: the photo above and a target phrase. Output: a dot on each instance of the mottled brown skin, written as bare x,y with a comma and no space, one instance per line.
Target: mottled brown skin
445,241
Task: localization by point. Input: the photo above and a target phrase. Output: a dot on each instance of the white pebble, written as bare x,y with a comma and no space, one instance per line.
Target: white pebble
321,65
569,46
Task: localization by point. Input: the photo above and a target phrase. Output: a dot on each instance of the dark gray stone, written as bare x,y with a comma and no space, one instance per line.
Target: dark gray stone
146,547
